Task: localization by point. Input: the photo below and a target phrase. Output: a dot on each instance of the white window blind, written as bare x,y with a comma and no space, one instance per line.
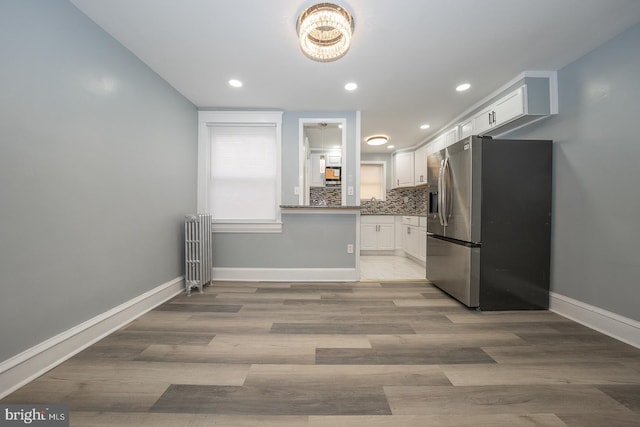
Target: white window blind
372,181
244,173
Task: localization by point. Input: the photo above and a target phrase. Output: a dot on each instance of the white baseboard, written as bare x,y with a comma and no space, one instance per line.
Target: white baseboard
35,361
287,274
616,326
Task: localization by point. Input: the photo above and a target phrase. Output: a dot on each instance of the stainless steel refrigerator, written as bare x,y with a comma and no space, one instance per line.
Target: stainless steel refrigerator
489,222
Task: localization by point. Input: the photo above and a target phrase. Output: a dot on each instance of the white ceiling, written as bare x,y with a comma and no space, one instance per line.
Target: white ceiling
407,56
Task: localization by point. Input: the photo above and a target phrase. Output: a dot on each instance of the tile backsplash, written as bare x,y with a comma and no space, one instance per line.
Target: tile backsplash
394,204
416,202
325,196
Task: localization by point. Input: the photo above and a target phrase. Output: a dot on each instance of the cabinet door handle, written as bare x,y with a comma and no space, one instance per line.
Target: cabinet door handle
489,117
493,114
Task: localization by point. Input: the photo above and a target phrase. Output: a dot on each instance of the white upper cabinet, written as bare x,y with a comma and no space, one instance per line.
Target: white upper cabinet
500,112
466,129
482,120
437,144
526,101
450,137
334,159
509,106
404,164
420,165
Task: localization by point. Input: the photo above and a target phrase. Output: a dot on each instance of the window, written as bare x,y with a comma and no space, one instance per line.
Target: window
239,170
372,180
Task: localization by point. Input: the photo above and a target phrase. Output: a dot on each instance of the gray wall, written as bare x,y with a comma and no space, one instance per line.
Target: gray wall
307,240
596,200
97,168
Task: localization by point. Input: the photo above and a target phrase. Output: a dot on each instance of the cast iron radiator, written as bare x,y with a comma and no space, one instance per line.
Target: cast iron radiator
198,251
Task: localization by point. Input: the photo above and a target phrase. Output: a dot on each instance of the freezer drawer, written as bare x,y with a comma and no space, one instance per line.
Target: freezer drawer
455,269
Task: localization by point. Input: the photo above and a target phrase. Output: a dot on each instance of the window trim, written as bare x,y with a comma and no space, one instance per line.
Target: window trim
206,119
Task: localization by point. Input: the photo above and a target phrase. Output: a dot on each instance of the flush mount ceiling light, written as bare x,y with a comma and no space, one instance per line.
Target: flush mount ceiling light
235,83
325,31
377,140
463,87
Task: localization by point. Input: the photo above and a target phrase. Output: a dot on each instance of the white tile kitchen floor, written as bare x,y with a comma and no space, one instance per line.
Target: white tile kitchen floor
389,267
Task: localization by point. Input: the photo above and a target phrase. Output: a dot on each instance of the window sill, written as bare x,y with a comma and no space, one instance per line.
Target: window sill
238,227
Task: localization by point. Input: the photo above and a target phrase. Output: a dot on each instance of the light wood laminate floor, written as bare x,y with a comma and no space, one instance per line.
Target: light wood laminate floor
344,354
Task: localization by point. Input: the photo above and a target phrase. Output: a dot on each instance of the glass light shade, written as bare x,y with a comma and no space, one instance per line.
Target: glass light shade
377,140
325,31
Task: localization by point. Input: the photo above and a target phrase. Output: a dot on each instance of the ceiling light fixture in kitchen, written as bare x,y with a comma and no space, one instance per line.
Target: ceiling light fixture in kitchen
377,140
462,87
325,31
235,83
425,126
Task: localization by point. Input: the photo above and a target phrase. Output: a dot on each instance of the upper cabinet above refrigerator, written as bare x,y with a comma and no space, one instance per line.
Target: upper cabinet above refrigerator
530,97
520,105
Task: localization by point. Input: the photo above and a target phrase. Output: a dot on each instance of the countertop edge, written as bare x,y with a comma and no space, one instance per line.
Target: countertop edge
300,207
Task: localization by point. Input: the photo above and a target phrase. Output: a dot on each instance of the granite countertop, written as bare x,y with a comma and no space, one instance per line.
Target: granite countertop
363,212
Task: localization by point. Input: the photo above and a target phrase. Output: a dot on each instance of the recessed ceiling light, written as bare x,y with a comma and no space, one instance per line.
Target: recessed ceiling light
351,86
377,140
462,87
425,126
235,83
391,146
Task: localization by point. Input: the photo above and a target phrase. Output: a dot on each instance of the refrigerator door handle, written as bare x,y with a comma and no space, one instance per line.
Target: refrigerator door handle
445,192
440,193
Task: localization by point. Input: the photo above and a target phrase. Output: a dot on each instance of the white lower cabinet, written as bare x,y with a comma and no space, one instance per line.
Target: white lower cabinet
377,233
414,237
422,247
